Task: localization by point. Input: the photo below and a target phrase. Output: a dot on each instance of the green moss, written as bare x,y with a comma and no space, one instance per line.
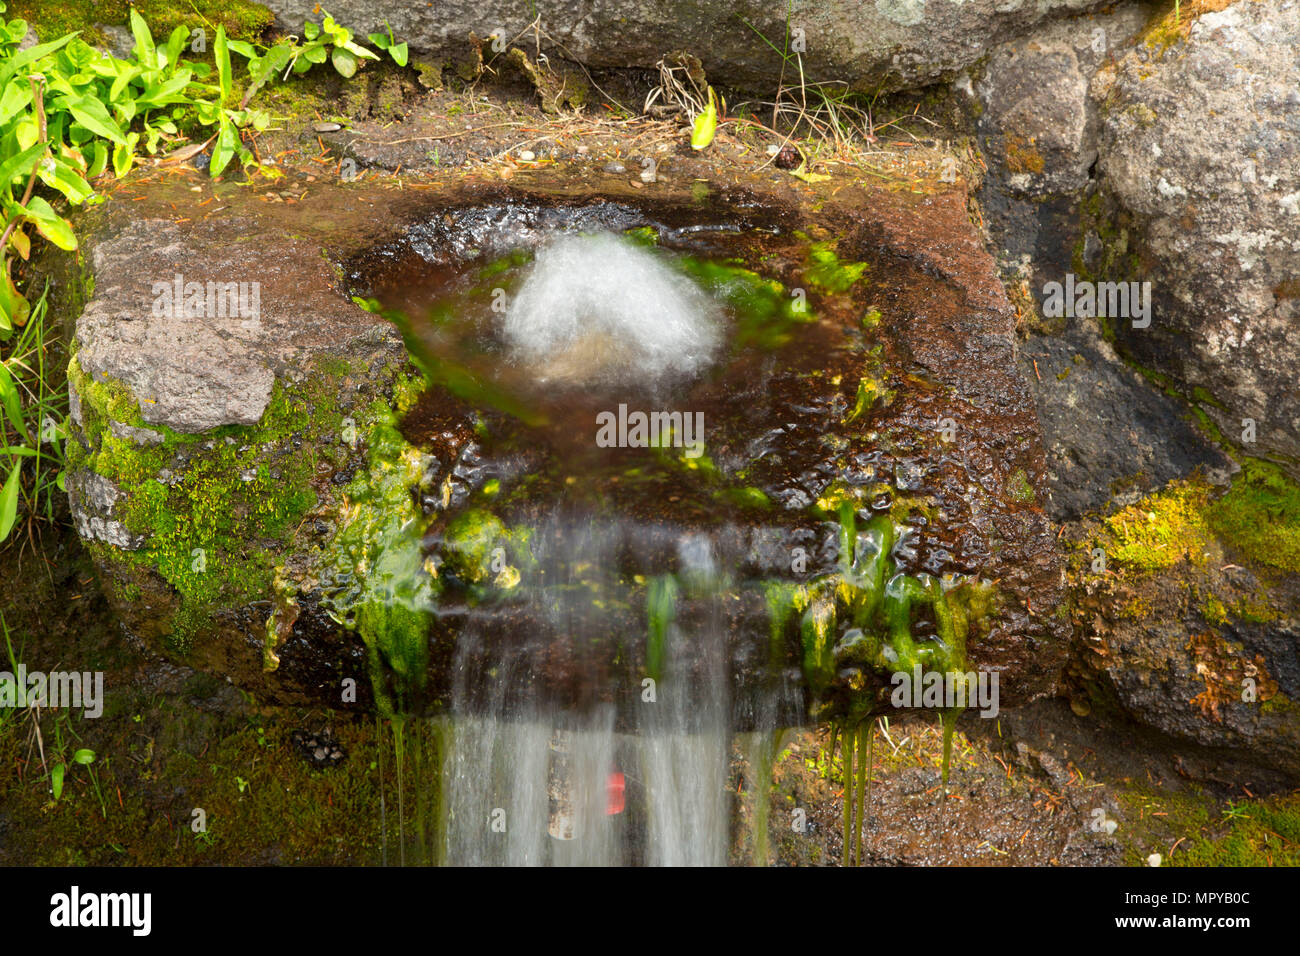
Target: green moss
1207,833
1018,487
1260,516
1162,529
262,801
238,492
1214,611
54,18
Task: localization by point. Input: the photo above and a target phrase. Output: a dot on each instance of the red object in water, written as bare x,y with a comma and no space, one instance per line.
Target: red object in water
614,787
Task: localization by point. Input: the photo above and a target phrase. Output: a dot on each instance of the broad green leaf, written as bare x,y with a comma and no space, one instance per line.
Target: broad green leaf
224,150
315,53
84,756
123,159
164,94
207,112
20,166
11,402
26,132
98,159
20,59
265,67
344,62
399,53
22,245
124,76
144,49
90,113
56,775
50,224
176,44
222,54
9,501
358,51
706,124
16,97
59,175
14,309
310,30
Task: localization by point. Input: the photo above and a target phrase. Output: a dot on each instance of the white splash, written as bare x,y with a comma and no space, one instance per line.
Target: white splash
600,309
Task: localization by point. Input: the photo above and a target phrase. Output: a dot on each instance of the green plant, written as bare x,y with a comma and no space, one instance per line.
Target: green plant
386,41
294,54
82,756
68,112
25,370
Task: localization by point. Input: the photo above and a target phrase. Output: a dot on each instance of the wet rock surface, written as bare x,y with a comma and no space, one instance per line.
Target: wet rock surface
1109,436
1038,123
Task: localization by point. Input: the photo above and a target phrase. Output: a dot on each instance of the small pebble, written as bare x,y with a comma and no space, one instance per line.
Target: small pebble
319,749
327,127
527,156
616,168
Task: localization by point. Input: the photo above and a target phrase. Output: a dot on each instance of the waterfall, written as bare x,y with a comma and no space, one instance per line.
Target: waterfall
529,781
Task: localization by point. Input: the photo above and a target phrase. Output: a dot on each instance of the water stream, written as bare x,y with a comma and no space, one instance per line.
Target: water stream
616,622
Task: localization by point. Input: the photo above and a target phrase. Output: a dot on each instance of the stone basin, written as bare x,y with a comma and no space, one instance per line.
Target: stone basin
282,501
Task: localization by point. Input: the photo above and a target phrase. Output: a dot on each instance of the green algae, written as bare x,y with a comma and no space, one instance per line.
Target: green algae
661,611
767,314
825,270
864,615
374,576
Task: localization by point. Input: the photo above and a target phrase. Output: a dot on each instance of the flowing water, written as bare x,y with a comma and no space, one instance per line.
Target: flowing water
531,779
528,778
612,624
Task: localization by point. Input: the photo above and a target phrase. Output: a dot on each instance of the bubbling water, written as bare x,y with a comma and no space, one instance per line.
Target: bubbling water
600,309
